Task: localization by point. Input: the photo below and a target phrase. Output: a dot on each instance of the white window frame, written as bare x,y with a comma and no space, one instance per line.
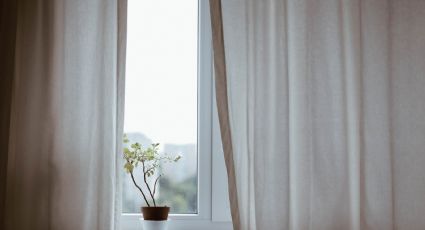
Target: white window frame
213,205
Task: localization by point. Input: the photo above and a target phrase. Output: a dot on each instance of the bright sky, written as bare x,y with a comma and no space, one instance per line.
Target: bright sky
161,71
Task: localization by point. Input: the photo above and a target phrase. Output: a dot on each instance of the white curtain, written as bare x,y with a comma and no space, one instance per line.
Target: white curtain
65,122
327,113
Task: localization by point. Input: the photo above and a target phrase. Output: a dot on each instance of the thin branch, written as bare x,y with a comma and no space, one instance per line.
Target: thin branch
154,186
147,185
134,181
149,169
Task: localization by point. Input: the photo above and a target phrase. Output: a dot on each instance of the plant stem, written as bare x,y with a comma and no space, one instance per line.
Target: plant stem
140,189
154,186
147,185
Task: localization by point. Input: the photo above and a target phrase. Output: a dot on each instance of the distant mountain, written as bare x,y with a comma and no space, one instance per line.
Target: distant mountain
188,164
139,137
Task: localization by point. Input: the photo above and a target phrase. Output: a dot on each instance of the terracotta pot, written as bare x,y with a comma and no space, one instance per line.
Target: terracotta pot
155,213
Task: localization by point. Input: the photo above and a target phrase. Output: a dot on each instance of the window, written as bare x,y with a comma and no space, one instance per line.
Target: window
169,99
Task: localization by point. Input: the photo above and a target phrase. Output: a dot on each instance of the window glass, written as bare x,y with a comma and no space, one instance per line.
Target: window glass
161,97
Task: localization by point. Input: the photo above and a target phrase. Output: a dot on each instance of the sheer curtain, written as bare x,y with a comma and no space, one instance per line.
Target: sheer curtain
62,116
325,122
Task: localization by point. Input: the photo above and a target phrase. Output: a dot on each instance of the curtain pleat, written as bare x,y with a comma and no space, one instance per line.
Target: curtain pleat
325,107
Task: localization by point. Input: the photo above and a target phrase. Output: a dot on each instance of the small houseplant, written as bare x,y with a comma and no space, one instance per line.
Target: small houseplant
150,160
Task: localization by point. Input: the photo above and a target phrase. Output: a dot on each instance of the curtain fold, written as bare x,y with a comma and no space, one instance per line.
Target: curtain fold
223,108
8,22
326,113
66,118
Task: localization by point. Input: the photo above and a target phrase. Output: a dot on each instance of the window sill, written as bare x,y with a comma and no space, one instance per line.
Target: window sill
177,222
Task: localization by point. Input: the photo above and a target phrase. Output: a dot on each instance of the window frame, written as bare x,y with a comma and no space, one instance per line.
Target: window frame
213,209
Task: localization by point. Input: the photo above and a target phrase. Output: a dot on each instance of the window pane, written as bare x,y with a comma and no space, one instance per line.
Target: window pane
161,96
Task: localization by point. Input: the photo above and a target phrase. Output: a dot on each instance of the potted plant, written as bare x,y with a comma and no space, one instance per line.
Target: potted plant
149,160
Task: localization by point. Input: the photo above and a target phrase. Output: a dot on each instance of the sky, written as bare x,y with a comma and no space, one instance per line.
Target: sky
161,70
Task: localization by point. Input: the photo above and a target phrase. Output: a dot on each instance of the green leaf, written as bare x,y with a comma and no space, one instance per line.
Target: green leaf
129,167
177,158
